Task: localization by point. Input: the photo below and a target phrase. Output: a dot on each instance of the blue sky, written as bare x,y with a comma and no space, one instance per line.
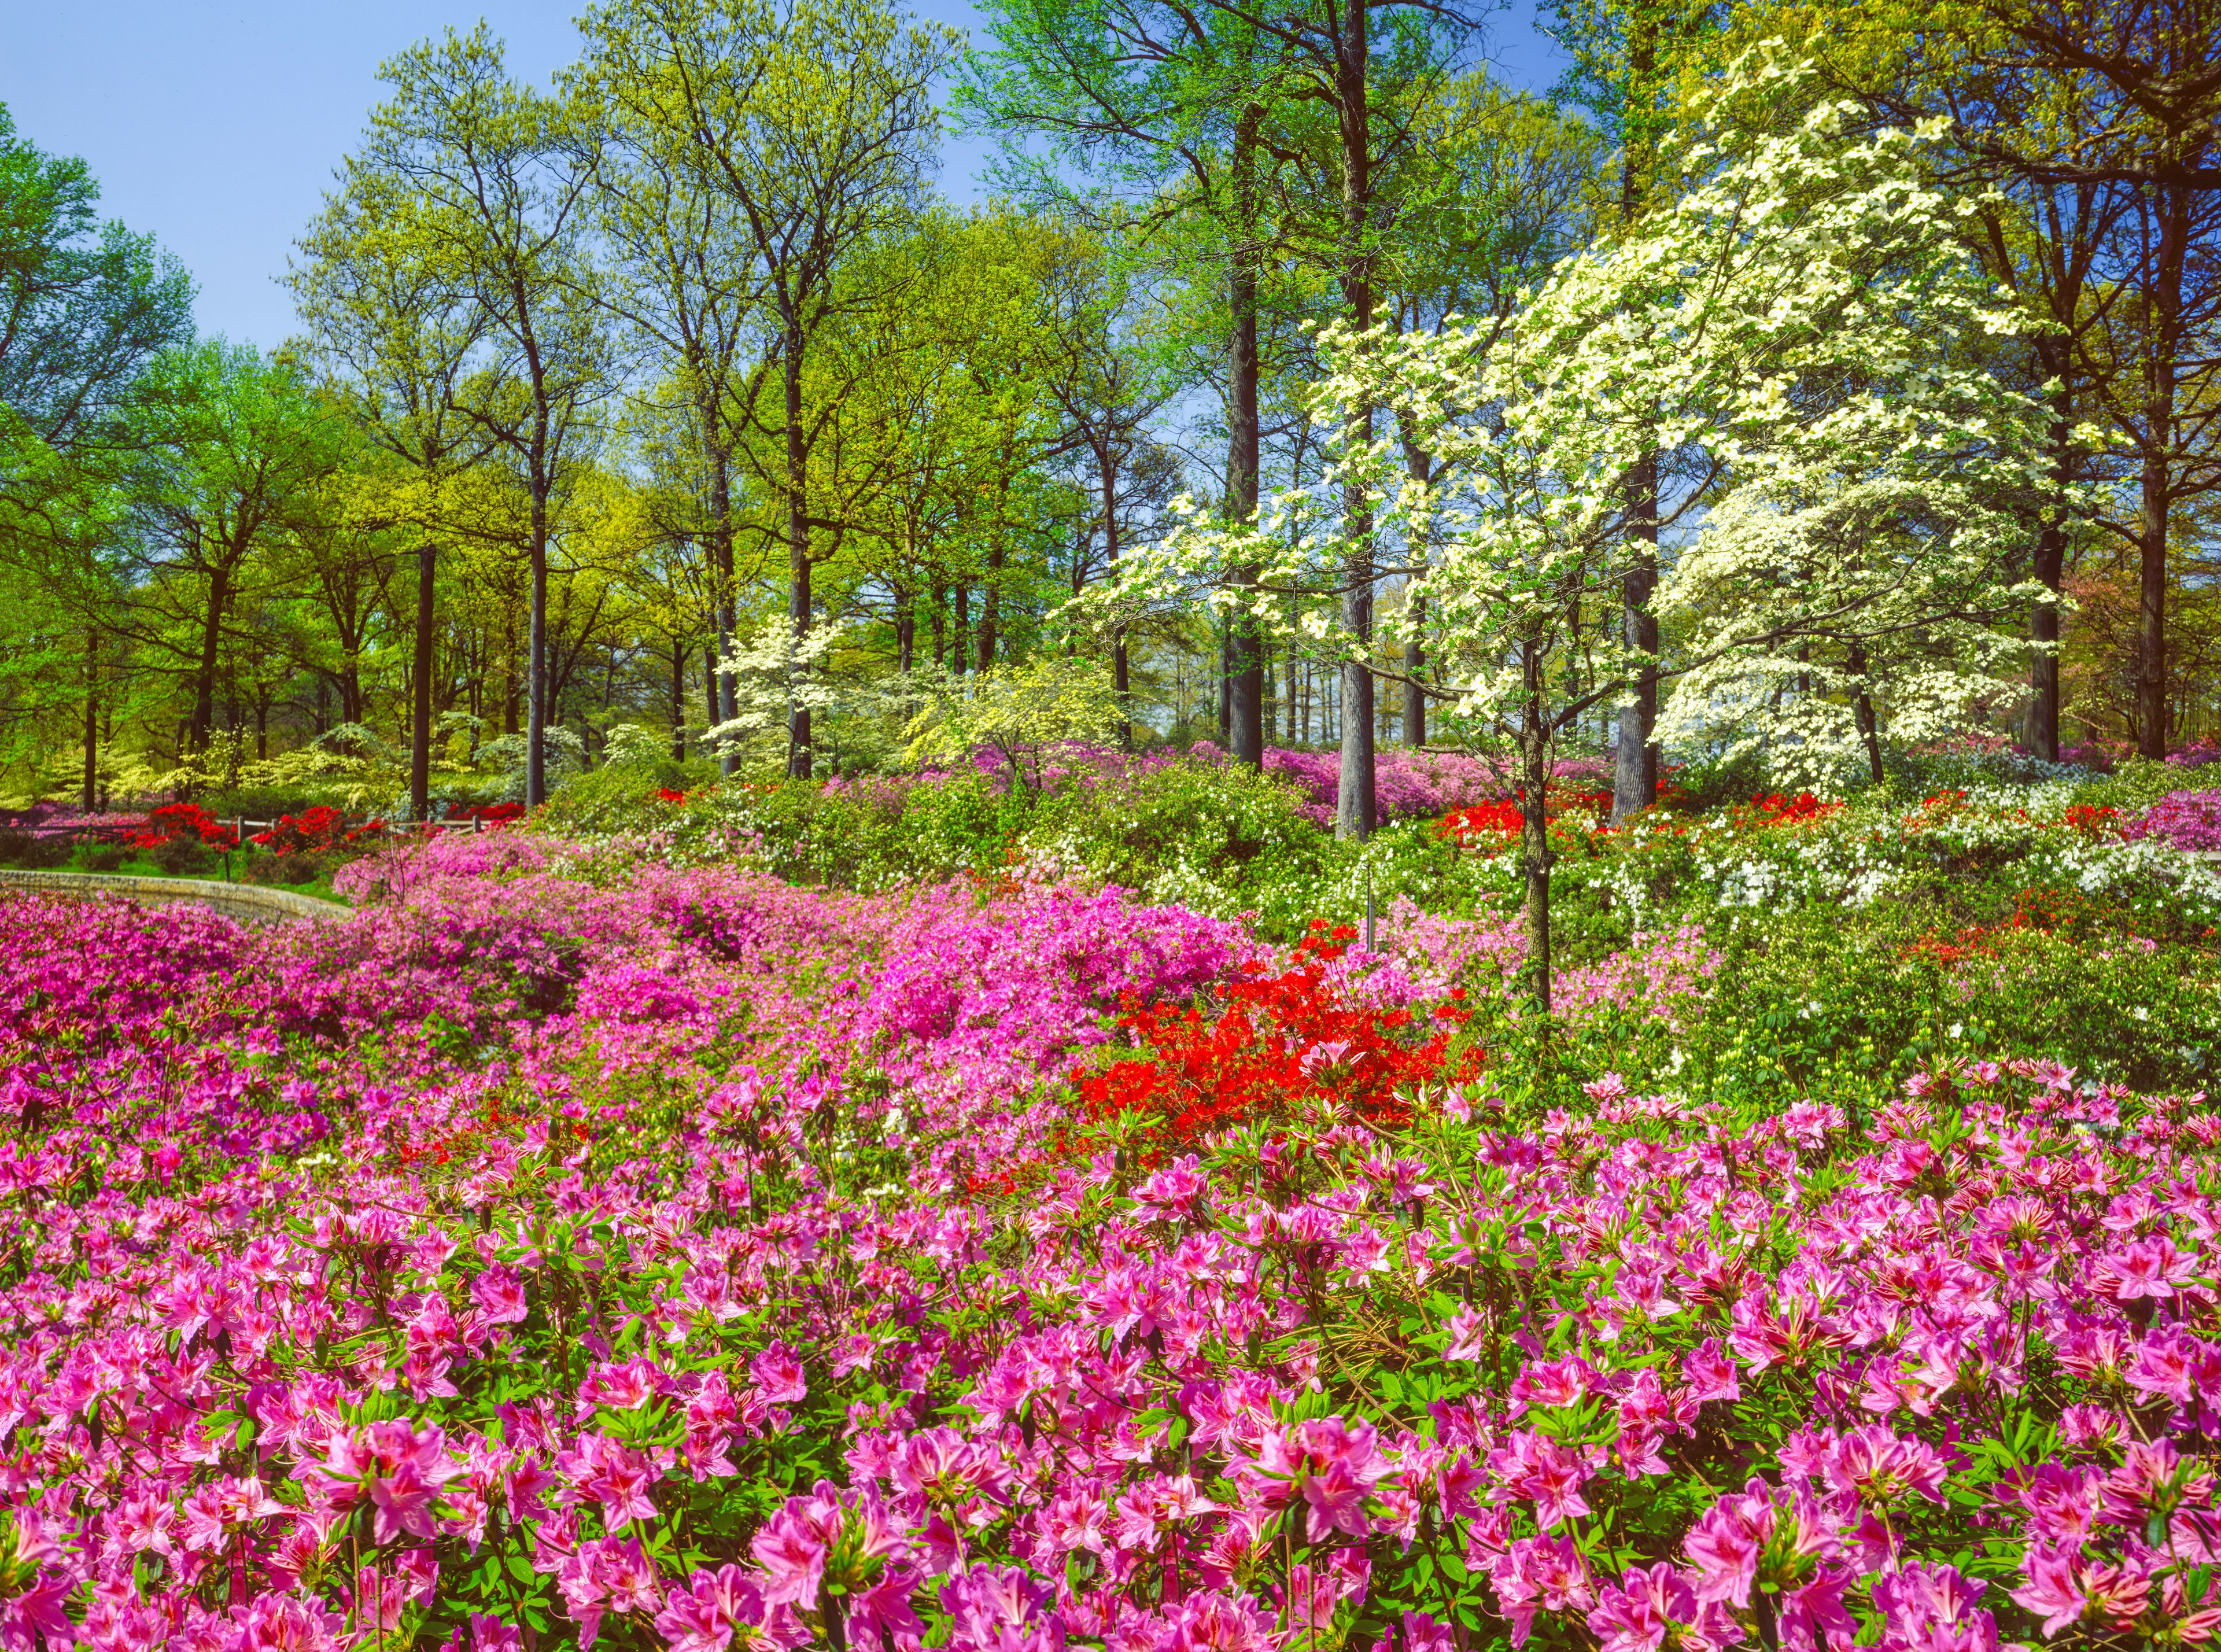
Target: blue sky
216,126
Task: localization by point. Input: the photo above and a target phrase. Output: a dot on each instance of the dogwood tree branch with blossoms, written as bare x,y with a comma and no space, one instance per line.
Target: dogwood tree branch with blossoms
1848,488
775,675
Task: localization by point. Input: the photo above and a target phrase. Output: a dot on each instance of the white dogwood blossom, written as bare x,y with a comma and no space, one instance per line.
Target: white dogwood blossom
774,673
1846,485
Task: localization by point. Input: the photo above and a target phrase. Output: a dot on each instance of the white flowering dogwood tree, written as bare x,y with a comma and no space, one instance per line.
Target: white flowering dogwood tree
1847,489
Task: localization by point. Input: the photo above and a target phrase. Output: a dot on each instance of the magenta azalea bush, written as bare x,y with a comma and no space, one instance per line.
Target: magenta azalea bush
1416,784
2188,820
688,1260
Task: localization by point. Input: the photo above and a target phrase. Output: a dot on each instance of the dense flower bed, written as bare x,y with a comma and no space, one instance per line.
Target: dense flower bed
1779,853
1422,785
541,1253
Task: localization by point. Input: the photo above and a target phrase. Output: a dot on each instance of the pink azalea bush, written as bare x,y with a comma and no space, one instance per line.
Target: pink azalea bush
689,1260
1414,784
2188,820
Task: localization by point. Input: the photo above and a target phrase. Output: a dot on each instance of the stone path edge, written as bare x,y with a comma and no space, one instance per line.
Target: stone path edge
242,901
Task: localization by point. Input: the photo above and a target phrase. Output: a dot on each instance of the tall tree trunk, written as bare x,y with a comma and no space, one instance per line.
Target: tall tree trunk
799,757
1534,830
1420,464
1635,772
536,665
1246,666
1354,797
960,630
91,720
905,631
540,469
725,701
1863,713
420,741
1121,685
1415,663
1225,681
990,605
203,724
2050,570
678,701
2166,302
512,679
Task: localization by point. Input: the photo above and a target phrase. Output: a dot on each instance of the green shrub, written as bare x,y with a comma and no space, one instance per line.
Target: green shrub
606,800
1710,783
1815,999
1215,836
269,803
105,858
34,851
290,868
2139,783
183,857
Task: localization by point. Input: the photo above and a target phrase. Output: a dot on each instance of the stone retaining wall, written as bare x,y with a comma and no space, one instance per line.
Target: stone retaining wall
244,902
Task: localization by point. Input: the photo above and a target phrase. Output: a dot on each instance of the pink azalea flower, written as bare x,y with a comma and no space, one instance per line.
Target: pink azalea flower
1637,1613
1537,1575
1710,1373
792,1546
399,1470
1468,1327
705,1615
1726,1542
778,1375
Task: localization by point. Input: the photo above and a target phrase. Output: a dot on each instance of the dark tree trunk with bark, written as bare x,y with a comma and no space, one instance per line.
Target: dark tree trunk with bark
1245,711
203,724
678,701
1863,715
2166,301
1415,695
799,756
724,700
1635,770
91,720
2051,571
536,669
990,605
420,681
1535,831
1353,799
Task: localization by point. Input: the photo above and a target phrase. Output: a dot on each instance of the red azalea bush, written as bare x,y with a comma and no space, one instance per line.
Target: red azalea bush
186,822
492,814
1506,818
2093,823
309,832
1776,808
1281,1036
